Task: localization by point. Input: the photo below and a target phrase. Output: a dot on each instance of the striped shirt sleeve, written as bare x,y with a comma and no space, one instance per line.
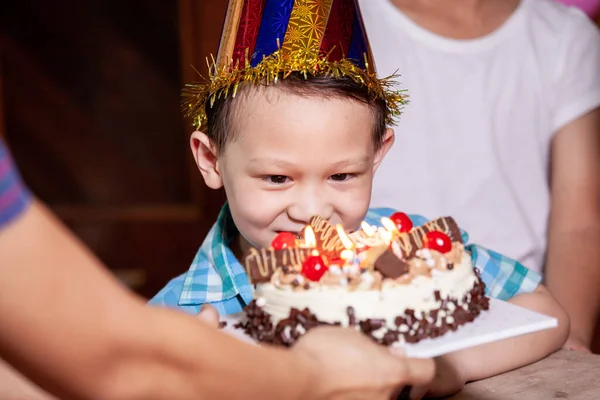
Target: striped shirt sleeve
14,196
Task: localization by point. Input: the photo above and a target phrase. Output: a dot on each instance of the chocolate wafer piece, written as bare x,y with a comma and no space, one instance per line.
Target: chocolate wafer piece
327,238
262,264
390,266
412,241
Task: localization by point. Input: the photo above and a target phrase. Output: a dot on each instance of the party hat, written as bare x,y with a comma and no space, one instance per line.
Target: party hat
266,40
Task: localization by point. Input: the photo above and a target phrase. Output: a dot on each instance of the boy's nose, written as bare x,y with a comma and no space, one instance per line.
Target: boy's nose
307,206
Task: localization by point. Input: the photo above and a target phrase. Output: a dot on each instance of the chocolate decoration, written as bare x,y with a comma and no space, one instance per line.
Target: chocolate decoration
390,266
262,264
412,241
327,238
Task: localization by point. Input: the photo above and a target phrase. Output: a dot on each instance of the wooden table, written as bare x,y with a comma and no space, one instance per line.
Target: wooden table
563,375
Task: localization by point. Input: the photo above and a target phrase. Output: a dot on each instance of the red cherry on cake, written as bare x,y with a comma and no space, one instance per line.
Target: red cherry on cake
436,240
313,268
402,221
284,240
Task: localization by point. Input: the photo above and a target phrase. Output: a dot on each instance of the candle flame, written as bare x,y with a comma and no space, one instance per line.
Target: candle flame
309,237
347,254
367,229
344,238
389,225
386,235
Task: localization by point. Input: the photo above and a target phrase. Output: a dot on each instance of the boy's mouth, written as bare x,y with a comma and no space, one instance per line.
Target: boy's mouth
297,234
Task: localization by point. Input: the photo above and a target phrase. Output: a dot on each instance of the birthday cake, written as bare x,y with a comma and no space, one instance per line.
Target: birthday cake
396,283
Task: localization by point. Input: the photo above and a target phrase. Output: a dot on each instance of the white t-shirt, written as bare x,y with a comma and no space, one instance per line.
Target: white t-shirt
474,141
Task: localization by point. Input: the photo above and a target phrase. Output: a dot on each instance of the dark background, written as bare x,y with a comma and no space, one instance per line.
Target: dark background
91,105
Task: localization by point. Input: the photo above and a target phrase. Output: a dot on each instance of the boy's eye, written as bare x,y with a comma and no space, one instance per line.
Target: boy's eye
276,179
341,177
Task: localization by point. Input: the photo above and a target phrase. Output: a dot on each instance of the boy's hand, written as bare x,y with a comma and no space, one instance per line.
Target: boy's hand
209,315
574,343
347,364
448,379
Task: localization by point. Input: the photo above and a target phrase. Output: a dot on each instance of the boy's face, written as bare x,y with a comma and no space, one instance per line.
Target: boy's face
293,157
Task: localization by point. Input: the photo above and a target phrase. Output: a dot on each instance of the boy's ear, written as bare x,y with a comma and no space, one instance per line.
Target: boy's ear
388,141
205,155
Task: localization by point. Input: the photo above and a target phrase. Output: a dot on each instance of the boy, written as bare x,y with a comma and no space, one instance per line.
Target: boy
308,143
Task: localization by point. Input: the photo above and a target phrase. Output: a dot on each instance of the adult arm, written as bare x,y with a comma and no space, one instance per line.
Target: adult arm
573,257
573,263
73,329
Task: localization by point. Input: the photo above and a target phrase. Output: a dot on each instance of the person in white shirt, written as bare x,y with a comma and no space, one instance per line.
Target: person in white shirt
501,132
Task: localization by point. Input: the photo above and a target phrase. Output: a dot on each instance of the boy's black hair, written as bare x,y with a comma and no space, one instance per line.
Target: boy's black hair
221,132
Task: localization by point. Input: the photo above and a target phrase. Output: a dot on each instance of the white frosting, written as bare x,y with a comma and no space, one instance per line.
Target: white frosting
330,303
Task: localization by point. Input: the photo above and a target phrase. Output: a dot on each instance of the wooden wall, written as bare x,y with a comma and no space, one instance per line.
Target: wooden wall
92,115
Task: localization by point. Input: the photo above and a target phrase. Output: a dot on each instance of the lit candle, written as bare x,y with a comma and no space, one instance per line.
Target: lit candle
385,235
309,238
389,225
367,229
348,253
344,238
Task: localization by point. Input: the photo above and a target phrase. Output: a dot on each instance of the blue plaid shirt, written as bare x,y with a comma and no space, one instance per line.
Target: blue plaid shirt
218,278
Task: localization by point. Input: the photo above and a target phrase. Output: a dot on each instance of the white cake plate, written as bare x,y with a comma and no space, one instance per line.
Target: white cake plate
502,321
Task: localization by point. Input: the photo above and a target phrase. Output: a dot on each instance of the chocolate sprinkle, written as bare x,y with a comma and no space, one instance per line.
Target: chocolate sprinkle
409,327
351,316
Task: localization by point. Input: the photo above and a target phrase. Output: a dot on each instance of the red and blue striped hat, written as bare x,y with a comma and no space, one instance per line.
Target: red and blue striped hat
266,40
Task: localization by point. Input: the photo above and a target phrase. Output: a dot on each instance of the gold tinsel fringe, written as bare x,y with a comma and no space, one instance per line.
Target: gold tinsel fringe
227,80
